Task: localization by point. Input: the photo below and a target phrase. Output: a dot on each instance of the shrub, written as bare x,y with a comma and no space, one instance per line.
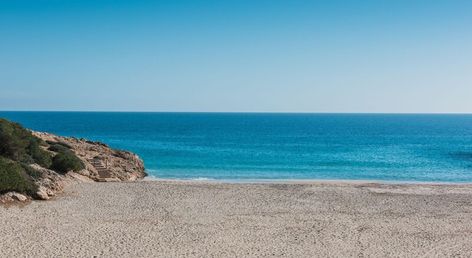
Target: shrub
39,156
58,148
12,141
33,173
18,144
59,143
14,178
66,161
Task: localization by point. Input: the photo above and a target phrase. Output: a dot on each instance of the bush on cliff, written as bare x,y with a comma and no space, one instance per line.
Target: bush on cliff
39,156
63,144
33,173
18,144
14,178
66,161
56,147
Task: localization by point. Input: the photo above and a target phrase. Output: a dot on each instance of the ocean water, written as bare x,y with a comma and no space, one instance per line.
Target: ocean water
249,146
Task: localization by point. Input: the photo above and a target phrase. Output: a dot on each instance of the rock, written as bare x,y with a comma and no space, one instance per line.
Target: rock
42,193
50,192
101,161
85,172
133,178
80,177
13,196
19,197
49,182
5,198
102,164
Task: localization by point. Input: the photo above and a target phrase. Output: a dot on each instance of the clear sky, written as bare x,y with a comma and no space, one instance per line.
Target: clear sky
236,55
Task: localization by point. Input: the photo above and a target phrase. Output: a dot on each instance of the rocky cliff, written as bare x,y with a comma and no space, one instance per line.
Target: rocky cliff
100,164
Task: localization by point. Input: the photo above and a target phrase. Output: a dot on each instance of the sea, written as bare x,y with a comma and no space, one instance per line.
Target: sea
278,146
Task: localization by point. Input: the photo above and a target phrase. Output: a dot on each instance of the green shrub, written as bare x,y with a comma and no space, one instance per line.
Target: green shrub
18,144
39,156
66,161
33,173
19,147
14,178
58,148
12,143
59,143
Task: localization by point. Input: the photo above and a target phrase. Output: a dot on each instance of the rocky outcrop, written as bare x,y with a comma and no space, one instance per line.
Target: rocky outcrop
102,164
13,197
49,182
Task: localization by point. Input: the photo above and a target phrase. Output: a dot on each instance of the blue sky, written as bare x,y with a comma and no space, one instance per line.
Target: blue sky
254,56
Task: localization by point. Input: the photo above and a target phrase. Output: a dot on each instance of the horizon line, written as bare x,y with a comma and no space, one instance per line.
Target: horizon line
241,112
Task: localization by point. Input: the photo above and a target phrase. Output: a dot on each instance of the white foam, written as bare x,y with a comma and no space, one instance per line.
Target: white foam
201,179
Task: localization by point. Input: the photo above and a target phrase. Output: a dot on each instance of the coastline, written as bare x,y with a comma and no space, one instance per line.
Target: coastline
305,181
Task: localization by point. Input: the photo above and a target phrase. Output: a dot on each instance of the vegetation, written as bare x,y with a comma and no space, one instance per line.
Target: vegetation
18,144
33,173
58,148
14,178
19,148
66,161
63,144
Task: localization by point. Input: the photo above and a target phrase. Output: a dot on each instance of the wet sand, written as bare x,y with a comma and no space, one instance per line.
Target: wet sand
210,219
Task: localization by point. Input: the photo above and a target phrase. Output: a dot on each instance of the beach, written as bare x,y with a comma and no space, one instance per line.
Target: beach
215,219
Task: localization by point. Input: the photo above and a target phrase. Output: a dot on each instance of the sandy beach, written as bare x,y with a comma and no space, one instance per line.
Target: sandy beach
210,219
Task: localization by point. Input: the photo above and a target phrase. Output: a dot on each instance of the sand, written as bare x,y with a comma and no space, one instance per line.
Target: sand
205,219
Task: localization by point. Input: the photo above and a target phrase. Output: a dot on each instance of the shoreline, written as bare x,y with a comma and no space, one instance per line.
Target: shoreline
305,181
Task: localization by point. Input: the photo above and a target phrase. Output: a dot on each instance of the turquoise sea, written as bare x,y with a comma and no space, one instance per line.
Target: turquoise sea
253,146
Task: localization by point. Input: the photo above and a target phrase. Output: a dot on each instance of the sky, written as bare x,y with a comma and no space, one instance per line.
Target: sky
386,56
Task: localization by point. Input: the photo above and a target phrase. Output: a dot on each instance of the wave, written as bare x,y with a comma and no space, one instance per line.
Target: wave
152,177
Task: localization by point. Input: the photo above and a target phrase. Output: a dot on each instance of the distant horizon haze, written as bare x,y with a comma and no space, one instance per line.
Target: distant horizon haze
241,112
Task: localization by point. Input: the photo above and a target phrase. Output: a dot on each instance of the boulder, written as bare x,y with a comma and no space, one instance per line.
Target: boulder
5,198
13,196
42,193
19,197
